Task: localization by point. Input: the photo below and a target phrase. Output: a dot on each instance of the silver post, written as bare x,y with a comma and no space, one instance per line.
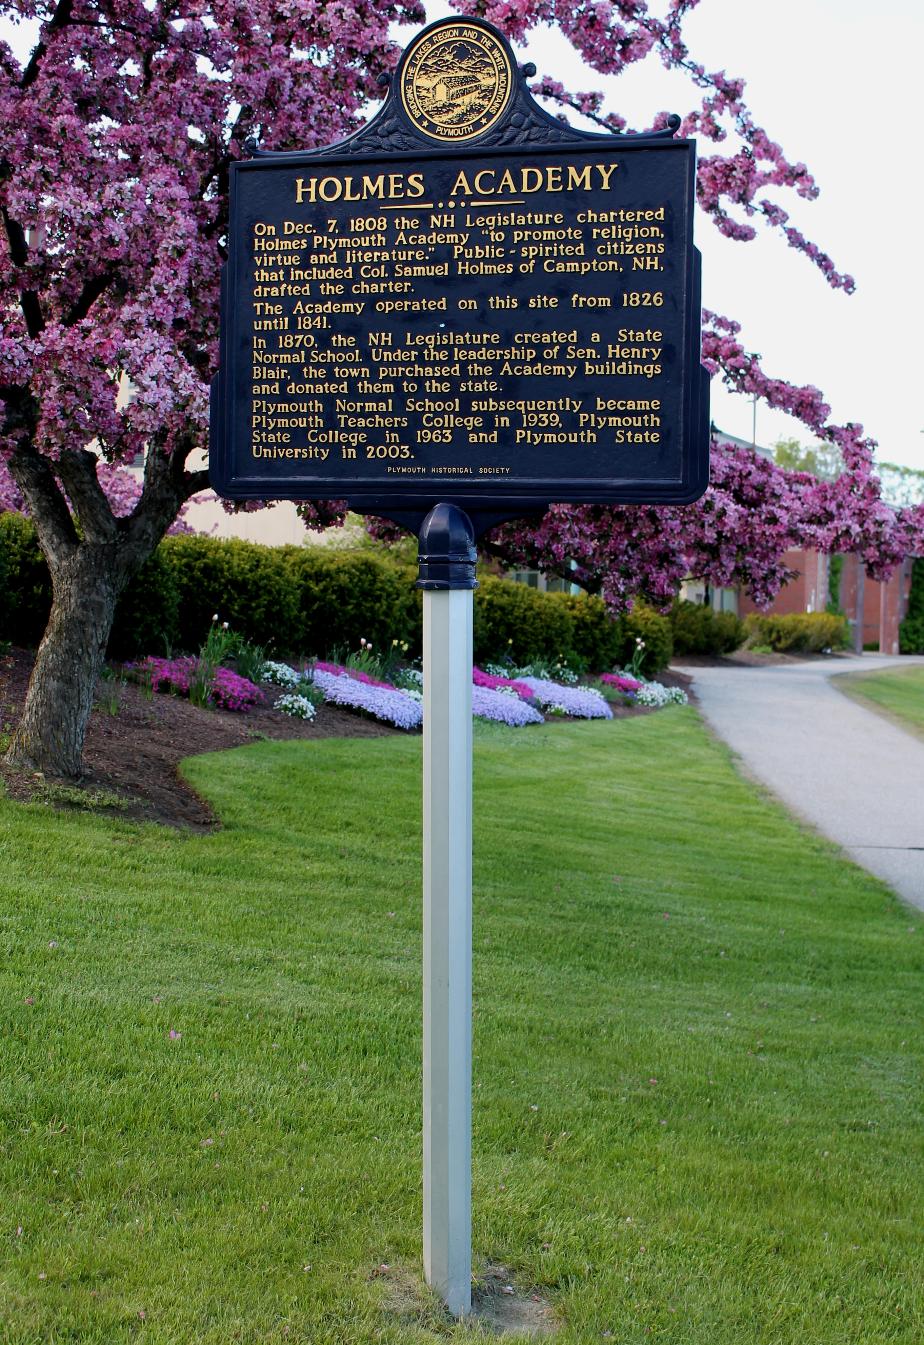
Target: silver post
447,577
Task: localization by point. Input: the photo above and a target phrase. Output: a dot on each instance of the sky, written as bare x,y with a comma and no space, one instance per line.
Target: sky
834,82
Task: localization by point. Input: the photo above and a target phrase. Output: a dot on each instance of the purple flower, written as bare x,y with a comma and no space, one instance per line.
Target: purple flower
379,700
494,683
340,671
502,707
580,702
620,682
229,691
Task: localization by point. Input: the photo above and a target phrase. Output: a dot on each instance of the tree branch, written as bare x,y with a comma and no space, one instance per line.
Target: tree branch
77,469
60,19
164,491
193,482
87,298
47,505
19,252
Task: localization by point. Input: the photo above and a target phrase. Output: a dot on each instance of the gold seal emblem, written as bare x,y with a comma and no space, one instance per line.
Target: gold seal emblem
456,82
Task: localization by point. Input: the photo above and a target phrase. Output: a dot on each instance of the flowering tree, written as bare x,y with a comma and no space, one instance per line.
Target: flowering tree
119,129
118,132
753,511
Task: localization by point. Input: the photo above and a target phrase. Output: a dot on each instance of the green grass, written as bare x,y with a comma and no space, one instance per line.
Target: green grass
897,693
697,1107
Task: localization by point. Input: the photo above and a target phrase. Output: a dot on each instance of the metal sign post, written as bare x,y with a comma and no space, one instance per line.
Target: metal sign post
466,301
447,577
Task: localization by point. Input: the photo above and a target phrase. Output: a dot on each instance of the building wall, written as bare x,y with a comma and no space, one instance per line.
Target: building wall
884,604
808,592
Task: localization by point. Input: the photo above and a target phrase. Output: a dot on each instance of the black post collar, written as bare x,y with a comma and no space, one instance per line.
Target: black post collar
446,549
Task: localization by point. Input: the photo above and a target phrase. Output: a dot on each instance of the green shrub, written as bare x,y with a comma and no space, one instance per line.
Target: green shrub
835,575
25,594
911,635
645,623
295,600
597,639
344,596
697,629
147,619
244,583
799,632
911,630
518,622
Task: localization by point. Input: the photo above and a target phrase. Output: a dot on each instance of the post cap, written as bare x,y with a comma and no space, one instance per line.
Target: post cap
446,549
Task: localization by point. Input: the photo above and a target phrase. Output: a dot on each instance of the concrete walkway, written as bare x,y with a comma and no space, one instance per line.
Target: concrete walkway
855,776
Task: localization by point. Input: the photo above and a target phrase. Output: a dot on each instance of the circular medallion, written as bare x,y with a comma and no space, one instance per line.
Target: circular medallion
456,81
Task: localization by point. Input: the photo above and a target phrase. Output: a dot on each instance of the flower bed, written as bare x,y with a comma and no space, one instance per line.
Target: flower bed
655,695
578,702
503,707
494,682
297,707
621,682
340,670
378,699
227,690
230,691
281,674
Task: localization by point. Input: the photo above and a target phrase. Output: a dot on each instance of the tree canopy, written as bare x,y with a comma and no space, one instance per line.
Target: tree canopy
120,126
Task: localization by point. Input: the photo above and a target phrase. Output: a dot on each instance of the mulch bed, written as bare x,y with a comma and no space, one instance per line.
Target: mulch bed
136,741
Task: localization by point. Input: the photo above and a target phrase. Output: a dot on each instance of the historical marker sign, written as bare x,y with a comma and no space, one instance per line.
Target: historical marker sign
467,306
466,300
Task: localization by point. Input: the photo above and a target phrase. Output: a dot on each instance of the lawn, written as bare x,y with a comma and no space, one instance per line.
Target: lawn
898,693
697,1108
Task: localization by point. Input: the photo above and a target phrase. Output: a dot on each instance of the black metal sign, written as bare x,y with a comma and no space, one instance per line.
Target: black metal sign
466,300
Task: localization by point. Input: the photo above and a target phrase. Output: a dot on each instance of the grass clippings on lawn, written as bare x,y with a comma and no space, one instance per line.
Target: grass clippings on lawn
698,1065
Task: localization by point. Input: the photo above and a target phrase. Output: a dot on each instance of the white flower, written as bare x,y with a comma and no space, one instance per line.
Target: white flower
299,707
280,673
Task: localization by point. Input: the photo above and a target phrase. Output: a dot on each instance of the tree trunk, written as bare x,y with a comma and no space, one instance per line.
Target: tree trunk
85,587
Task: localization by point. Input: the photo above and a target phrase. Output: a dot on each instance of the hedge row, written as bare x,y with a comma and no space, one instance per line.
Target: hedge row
799,632
307,600
911,630
697,629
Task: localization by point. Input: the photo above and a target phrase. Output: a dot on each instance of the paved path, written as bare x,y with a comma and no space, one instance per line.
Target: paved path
855,776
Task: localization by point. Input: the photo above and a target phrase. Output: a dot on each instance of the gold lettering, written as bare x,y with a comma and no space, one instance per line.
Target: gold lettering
461,185
579,177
